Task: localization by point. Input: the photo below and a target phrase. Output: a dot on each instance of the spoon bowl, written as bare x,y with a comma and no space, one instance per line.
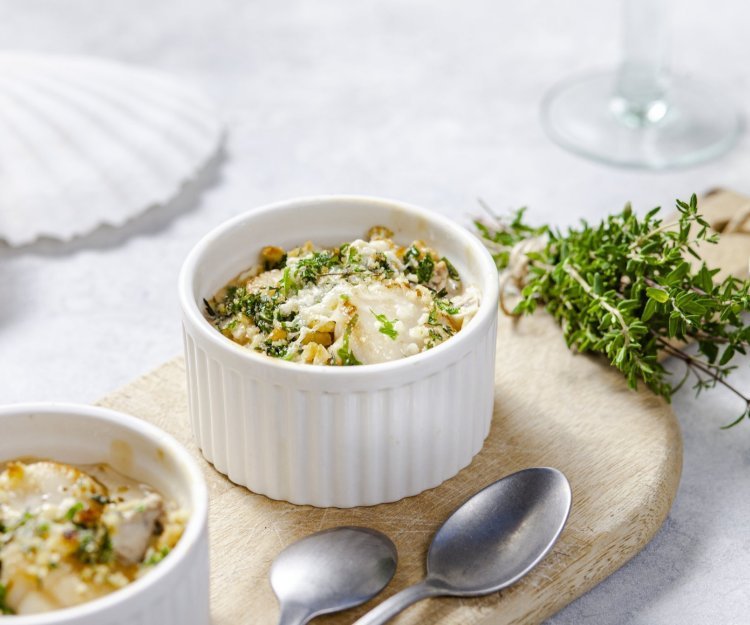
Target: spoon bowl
490,541
332,570
501,533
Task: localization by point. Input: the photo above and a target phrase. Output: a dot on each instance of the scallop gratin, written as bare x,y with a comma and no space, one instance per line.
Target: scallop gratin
364,302
71,534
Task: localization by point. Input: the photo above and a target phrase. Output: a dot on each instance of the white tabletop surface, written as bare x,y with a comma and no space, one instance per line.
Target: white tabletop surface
429,101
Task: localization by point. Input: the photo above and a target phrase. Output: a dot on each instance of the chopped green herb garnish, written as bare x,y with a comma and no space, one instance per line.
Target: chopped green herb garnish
157,556
309,269
276,350
73,510
447,306
434,338
4,608
422,264
348,255
230,326
287,284
25,518
354,257
94,546
345,353
261,308
411,254
42,529
381,263
255,313
270,264
386,326
452,271
425,268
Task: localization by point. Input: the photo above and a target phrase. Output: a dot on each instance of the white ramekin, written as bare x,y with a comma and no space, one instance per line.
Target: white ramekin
337,436
175,592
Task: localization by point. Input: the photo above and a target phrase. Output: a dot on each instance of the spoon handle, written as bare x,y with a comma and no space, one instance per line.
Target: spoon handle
398,602
293,615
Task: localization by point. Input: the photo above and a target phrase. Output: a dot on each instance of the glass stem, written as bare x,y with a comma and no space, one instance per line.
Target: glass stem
641,79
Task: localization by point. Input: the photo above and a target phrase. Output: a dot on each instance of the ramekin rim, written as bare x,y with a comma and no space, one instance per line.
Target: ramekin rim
194,530
487,306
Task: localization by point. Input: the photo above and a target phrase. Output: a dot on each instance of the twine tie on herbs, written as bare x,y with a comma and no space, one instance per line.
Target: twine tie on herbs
518,268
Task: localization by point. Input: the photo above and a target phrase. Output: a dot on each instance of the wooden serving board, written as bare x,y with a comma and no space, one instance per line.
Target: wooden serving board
621,451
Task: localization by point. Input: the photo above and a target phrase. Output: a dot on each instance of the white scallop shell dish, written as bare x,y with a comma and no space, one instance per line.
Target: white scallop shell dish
86,142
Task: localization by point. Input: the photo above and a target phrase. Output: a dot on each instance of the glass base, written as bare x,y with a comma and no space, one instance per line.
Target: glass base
694,124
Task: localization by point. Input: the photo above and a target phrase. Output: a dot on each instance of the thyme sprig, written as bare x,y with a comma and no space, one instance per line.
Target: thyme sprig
631,289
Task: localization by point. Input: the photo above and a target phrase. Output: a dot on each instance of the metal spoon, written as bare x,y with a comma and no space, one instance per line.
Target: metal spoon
330,571
491,541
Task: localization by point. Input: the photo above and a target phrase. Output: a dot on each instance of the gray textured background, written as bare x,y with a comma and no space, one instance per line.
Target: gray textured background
430,102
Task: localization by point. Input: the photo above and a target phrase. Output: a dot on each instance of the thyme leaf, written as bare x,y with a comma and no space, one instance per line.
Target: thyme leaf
345,353
420,263
425,268
446,306
94,546
452,271
287,283
310,269
4,607
386,326
156,556
73,510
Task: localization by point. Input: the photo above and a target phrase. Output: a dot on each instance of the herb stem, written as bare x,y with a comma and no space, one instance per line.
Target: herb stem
573,273
665,227
704,367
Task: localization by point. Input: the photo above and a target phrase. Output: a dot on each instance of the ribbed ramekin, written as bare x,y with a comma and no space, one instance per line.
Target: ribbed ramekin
337,436
176,591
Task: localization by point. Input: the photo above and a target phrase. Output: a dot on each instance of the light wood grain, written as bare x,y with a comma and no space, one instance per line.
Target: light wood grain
621,451
732,254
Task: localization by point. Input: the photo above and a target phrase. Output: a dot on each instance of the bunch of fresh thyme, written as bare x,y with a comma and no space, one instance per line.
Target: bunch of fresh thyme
625,289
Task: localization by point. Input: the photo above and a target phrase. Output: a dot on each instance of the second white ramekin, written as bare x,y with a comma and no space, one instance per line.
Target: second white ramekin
176,591
337,436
